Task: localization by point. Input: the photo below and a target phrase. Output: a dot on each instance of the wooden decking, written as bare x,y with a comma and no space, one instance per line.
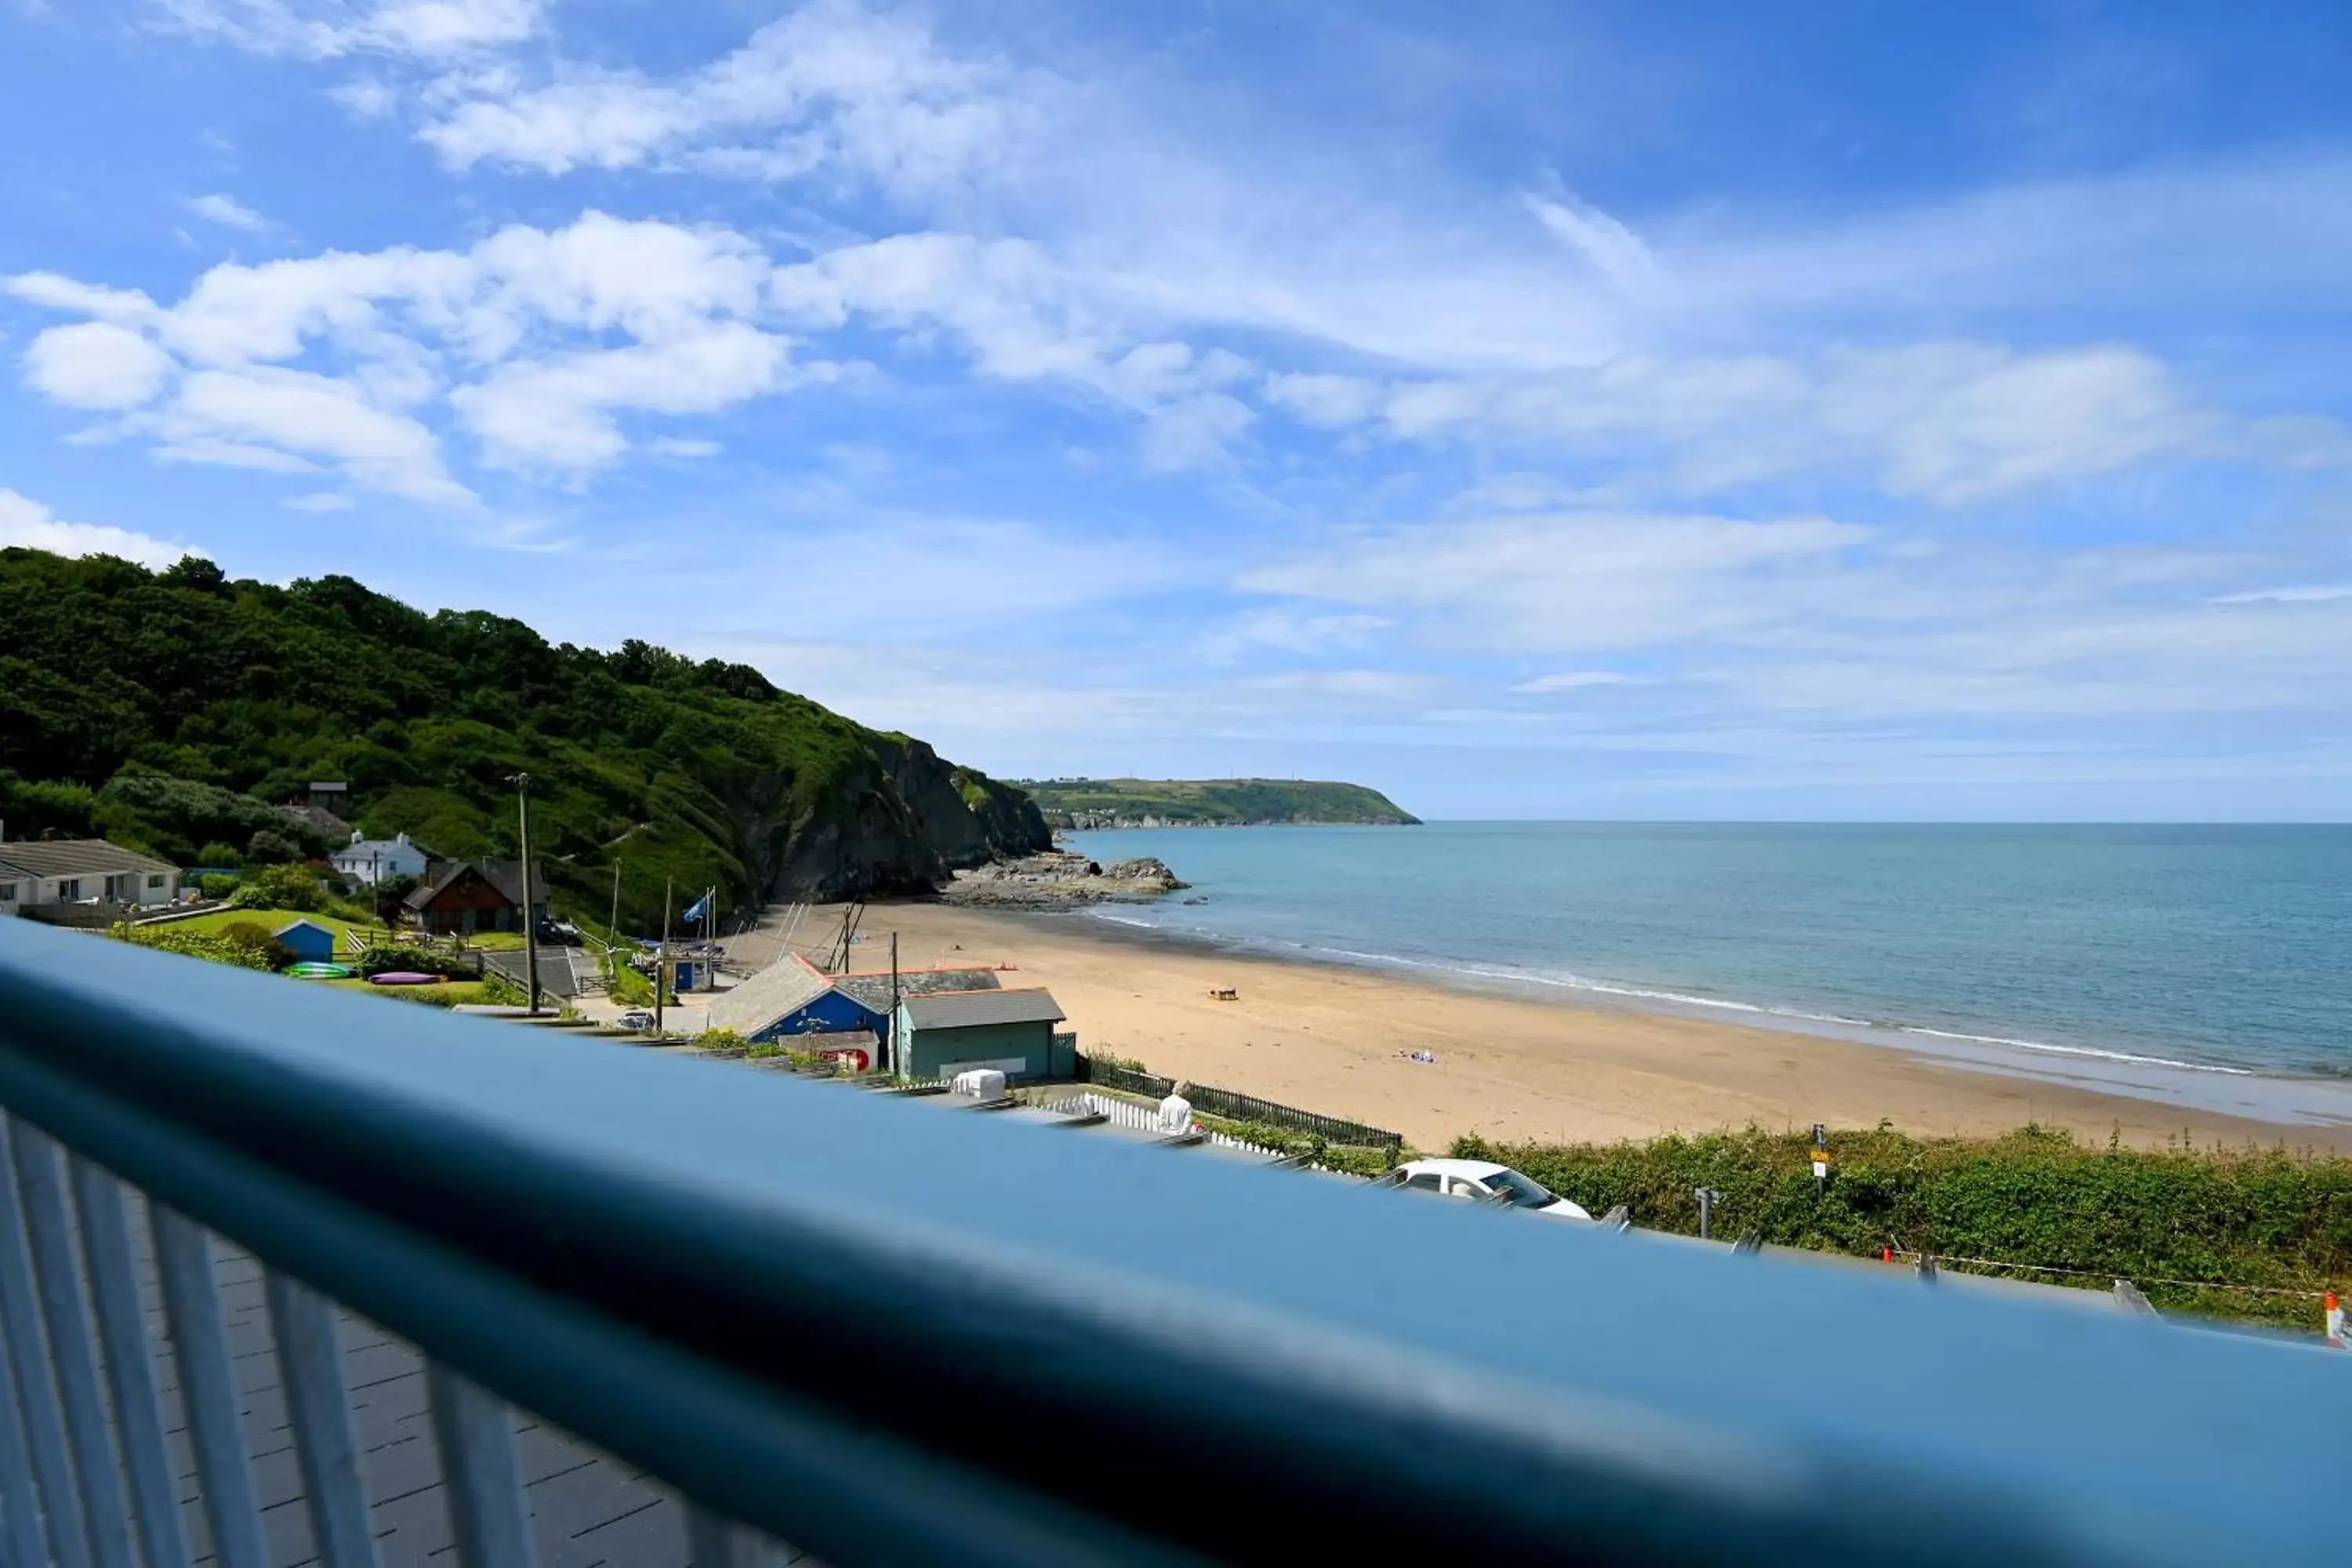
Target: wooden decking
586,1507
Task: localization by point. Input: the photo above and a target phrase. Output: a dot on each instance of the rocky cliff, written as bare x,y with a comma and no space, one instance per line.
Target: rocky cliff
903,825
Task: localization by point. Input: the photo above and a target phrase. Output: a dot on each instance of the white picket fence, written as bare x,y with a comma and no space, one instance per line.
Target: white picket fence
1136,1117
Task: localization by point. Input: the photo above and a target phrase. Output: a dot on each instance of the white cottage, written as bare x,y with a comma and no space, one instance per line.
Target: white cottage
368,861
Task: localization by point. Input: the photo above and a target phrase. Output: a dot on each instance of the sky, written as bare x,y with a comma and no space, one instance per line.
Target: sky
1815,411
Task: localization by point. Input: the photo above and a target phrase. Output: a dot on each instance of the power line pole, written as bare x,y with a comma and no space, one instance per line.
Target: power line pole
661,955
890,1029
529,918
612,931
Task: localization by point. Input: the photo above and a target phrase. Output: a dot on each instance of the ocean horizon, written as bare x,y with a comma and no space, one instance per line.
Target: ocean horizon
2200,963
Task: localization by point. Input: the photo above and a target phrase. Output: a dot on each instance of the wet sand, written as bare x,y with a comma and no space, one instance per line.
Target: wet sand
1339,1041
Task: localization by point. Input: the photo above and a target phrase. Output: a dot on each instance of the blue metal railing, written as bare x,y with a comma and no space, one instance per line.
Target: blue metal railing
890,1334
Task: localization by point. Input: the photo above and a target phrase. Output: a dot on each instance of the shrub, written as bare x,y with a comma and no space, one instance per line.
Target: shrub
632,989
220,885
219,854
292,886
388,895
253,936
388,957
498,991
267,846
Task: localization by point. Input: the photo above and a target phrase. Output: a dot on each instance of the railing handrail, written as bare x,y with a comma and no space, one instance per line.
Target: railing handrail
886,1334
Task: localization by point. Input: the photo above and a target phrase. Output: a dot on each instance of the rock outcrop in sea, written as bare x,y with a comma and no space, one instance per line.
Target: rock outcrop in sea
1060,879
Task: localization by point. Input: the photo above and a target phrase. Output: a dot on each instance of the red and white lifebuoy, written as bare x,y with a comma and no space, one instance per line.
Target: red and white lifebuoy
853,1057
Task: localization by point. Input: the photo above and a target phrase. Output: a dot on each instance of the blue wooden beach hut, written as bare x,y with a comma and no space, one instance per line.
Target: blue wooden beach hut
310,941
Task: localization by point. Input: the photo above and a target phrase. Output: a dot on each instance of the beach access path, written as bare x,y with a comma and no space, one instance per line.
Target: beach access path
1339,1041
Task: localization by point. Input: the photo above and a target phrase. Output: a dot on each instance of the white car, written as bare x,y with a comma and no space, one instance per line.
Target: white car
1485,1182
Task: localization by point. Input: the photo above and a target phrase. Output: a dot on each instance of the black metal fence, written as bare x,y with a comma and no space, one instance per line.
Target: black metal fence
1111,1075
1249,1108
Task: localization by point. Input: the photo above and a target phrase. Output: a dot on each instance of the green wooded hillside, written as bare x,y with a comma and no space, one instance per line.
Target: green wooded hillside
169,709
1121,803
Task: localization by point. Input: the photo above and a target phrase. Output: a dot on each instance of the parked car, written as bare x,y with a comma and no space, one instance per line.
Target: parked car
1487,1182
638,1018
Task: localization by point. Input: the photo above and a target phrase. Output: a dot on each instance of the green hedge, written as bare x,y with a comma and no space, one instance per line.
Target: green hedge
2270,1217
216,947
1355,1161
390,957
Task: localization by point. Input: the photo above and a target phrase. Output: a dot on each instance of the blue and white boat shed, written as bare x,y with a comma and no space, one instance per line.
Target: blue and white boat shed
794,998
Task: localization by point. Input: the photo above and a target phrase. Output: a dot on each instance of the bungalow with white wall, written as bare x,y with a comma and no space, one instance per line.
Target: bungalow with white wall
40,873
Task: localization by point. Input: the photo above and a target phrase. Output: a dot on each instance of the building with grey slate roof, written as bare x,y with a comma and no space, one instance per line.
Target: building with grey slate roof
1014,1032
873,989
38,873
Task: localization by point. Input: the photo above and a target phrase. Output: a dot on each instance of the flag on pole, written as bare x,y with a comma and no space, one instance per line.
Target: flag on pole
699,908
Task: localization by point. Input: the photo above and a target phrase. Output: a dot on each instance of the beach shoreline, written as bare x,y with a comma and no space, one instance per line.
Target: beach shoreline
1339,1038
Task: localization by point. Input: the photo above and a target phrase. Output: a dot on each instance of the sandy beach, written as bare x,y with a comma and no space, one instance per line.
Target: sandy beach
1339,1040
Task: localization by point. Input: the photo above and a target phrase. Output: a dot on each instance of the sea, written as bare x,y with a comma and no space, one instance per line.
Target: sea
2205,966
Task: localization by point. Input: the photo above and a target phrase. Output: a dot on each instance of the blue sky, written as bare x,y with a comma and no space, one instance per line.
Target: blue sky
1543,410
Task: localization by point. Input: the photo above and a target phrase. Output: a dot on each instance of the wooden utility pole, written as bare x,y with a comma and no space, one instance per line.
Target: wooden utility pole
661,956
612,931
890,1030
529,919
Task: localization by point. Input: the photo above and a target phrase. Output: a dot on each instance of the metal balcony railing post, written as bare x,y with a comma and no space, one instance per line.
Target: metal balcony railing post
35,1368
310,1365
41,1189
20,1512
183,1262
130,1363
482,1480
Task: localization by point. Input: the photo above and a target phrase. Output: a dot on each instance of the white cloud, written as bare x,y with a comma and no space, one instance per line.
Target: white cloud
366,97
229,212
513,338
1194,432
1962,424
1614,250
684,446
1574,681
294,413
1333,402
328,29
95,364
25,523
123,306
832,85
1530,585
558,412
1289,631
320,501
1956,424
2306,594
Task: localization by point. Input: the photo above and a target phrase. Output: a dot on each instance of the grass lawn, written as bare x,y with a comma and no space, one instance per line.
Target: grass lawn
496,940
269,920
447,993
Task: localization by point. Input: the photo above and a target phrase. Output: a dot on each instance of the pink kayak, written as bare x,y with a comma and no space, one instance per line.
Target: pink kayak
403,977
